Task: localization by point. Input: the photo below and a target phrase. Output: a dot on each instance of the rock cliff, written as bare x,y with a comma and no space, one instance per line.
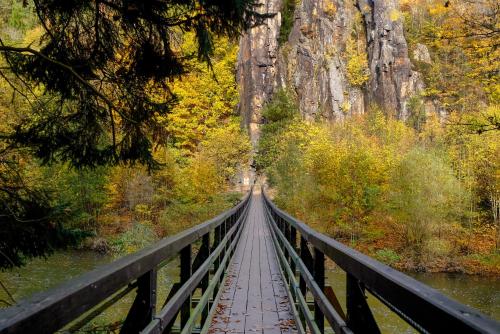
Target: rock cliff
338,57
257,66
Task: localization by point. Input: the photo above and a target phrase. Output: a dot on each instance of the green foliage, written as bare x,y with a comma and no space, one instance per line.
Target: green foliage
21,16
206,97
374,180
16,18
97,91
287,20
229,148
82,192
356,56
357,63
280,112
462,39
135,239
417,115
388,256
424,193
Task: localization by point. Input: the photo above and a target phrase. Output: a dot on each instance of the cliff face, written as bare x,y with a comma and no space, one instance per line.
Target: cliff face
392,80
257,66
313,62
341,55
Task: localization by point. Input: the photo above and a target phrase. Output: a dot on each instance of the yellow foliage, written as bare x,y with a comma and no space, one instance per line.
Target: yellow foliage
330,8
357,58
394,14
206,98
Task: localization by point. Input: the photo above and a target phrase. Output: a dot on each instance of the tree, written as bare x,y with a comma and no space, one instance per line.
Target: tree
206,99
98,78
30,223
424,193
95,81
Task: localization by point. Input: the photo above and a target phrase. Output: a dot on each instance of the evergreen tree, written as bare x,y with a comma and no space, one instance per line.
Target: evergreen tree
101,72
97,83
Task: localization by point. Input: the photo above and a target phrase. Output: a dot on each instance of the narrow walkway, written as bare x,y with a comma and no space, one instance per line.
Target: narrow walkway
254,299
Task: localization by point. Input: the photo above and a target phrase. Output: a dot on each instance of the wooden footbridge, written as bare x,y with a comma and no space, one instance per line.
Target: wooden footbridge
257,270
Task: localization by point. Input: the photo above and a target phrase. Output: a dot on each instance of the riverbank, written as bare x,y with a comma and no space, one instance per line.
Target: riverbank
459,250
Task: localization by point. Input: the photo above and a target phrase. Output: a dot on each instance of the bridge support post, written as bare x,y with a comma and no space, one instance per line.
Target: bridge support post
217,239
204,282
359,316
319,277
286,232
144,307
305,256
293,242
186,272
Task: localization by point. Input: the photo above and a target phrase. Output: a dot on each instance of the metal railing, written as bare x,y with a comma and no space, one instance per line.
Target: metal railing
301,252
90,294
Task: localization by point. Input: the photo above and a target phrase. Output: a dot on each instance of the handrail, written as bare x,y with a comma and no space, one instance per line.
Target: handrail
426,309
49,311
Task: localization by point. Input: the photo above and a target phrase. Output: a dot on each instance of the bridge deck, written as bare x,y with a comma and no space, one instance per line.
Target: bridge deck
254,299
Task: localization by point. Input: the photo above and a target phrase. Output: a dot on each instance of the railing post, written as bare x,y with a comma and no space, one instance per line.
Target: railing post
287,237
223,227
204,282
144,307
293,243
217,239
305,256
359,316
319,277
185,274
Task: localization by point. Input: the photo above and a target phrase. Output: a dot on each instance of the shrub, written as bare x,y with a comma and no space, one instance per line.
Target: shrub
423,194
287,20
387,256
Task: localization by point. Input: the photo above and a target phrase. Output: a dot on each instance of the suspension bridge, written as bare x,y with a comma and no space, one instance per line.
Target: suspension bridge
252,269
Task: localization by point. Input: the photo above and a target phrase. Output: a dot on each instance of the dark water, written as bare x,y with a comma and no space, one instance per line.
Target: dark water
482,293
478,292
41,274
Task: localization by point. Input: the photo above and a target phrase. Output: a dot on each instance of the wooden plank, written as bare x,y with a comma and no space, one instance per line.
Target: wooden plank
270,317
239,310
285,320
253,319
255,293
219,322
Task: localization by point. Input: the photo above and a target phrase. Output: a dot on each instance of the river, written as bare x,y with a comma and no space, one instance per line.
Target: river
479,292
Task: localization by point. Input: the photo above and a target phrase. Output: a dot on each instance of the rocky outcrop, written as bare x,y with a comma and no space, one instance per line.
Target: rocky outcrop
341,56
392,80
313,62
257,66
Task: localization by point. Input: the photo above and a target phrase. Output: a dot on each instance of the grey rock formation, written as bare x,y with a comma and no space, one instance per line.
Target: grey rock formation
314,62
257,66
392,80
421,54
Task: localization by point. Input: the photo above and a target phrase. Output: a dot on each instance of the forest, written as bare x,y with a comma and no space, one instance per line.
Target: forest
420,193
198,149
81,167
